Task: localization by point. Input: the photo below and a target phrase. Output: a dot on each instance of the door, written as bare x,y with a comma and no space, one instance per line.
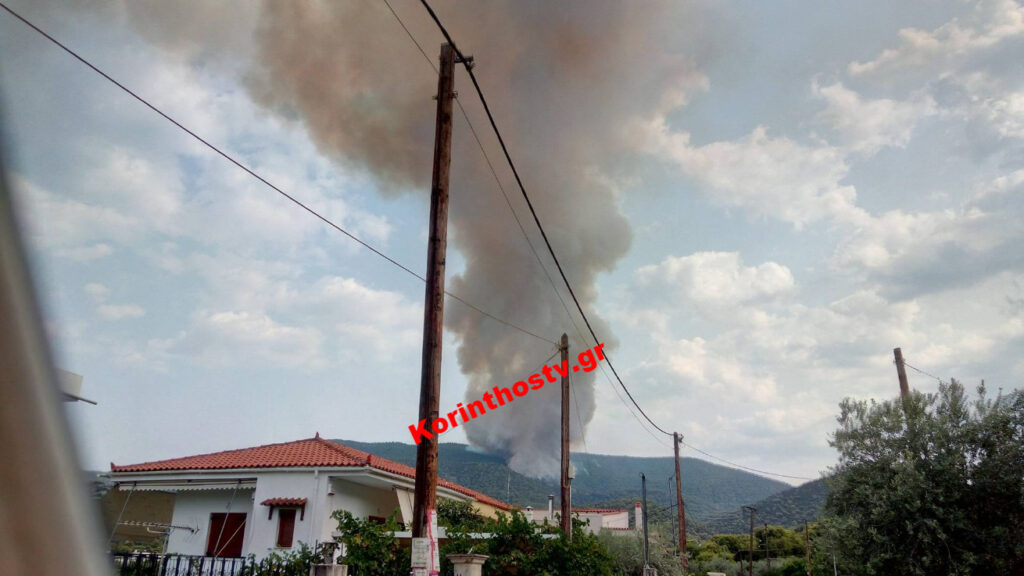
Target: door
226,534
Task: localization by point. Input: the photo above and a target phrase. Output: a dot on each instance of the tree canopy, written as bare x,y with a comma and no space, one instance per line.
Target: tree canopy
930,485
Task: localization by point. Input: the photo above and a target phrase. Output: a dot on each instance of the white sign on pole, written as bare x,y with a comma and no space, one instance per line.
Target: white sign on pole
421,553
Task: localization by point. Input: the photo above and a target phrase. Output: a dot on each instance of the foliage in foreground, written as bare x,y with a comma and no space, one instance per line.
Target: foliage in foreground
628,552
517,546
928,487
371,548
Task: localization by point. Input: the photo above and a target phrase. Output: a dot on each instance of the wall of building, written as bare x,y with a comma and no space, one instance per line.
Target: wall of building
618,520
488,511
362,501
311,485
193,508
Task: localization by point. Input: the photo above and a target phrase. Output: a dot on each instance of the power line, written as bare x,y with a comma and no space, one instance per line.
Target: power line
263,180
547,242
533,249
579,421
919,371
490,167
533,212
742,467
519,223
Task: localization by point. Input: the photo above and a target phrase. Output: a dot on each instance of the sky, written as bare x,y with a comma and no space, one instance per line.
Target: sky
756,202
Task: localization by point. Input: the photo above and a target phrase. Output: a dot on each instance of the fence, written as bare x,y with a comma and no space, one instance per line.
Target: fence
175,565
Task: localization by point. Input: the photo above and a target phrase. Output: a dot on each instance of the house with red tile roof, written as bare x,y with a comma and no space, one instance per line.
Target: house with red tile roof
269,498
603,518
597,519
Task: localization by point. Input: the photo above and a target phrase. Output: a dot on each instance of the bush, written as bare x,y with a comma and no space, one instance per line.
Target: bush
628,553
518,546
371,548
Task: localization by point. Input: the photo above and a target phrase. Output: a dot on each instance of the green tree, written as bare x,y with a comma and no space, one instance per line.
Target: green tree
371,548
930,485
459,514
628,551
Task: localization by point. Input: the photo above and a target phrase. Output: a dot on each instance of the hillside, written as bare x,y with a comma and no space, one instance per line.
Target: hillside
710,491
790,508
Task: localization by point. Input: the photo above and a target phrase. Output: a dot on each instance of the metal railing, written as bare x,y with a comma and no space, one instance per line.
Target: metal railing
178,565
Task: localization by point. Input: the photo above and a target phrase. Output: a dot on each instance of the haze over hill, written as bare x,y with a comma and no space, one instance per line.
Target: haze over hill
713,493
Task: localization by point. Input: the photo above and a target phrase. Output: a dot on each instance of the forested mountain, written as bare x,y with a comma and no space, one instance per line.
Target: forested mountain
710,491
789,508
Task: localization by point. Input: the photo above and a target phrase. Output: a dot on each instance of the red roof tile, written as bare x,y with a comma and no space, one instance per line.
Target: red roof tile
300,453
284,502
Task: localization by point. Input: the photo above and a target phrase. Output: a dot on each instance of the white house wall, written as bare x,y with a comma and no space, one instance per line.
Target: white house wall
361,500
193,508
618,520
312,486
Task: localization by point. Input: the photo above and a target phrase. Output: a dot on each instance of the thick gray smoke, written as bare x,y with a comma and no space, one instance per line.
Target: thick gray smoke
563,79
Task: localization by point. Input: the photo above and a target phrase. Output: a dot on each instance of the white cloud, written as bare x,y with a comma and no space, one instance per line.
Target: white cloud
120,312
229,337
918,252
996,102
716,369
992,22
868,125
776,177
99,292
999,186
716,279
87,253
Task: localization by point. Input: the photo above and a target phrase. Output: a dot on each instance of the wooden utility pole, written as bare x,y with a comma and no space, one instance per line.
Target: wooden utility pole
647,549
680,508
750,557
566,494
901,371
767,551
425,496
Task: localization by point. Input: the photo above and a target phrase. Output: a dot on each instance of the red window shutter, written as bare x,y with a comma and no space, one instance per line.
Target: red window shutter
285,527
227,532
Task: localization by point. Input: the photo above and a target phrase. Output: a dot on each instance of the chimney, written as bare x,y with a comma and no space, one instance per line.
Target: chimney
638,514
551,508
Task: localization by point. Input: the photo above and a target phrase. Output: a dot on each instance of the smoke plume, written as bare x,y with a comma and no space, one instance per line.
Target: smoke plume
563,80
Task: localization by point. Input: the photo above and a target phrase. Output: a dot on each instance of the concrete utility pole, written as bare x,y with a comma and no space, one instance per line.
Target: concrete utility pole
901,372
680,508
425,496
566,494
750,558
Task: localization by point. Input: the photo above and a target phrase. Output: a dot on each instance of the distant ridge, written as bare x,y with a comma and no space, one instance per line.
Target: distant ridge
711,491
790,508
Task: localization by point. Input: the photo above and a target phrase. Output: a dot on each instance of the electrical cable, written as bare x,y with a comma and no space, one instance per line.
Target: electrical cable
394,262
519,222
263,180
918,370
742,467
536,219
515,172
490,167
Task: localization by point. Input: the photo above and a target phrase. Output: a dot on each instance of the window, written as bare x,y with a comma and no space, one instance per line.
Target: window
285,527
227,531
